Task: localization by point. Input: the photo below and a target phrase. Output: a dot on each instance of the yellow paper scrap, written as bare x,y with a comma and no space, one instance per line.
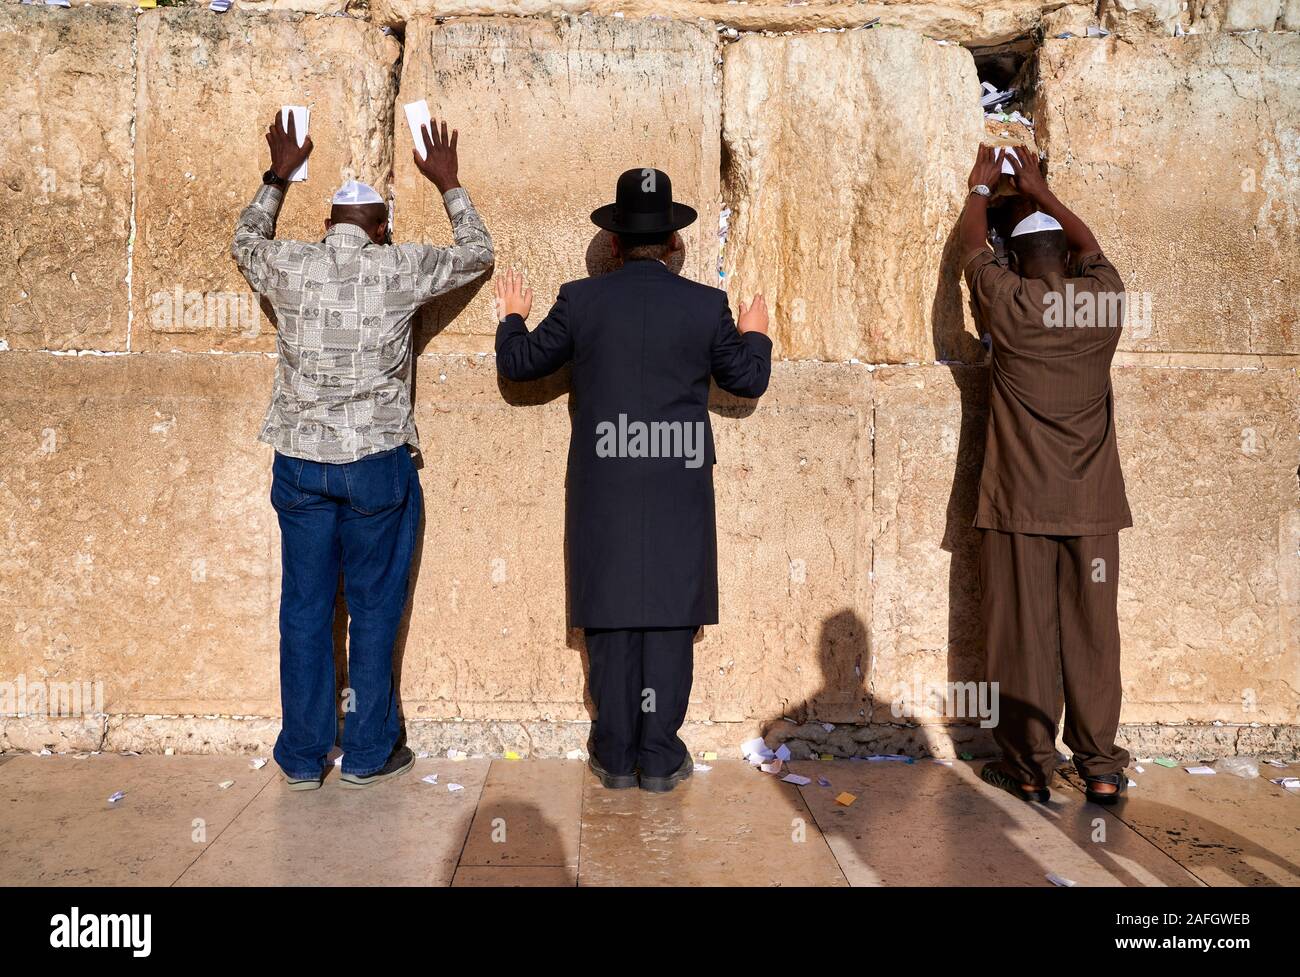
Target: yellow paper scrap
845,799
511,755
828,756
710,755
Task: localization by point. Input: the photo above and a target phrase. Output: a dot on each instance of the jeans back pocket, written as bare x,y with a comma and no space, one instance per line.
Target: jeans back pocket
286,473
378,482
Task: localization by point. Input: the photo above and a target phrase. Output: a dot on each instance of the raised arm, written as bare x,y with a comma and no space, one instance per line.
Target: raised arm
973,230
524,355
1031,182
255,230
440,269
741,358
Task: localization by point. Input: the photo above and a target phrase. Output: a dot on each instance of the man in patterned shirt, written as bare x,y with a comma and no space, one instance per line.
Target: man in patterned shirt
343,481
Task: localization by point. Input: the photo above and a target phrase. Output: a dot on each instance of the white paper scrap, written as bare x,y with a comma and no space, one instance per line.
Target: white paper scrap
783,753
1140,769
1061,880
116,796
1201,771
702,768
772,767
454,787
431,779
301,116
455,755
226,784
417,115
1291,784
257,763
219,6
794,778
575,755
823,782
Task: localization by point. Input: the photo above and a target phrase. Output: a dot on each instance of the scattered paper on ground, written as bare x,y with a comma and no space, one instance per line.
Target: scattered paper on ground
1060,880
796,779
845,799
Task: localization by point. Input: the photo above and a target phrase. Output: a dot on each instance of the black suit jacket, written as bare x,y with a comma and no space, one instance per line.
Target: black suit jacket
640,531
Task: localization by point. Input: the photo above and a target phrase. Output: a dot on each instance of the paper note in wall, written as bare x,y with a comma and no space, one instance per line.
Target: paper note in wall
417,115
301,115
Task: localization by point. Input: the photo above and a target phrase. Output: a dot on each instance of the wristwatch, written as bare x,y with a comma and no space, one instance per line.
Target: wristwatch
271,180
981,189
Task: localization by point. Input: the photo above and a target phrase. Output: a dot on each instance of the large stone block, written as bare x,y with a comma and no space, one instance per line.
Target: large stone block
976,22
550,113
1182,156
207,89
65,202
139,548
846,162
142,551
1208,595
488,638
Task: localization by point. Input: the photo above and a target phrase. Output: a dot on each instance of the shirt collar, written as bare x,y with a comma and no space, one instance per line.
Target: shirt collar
348,233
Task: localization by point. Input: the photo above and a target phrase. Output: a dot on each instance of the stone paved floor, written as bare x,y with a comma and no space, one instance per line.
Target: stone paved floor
548,822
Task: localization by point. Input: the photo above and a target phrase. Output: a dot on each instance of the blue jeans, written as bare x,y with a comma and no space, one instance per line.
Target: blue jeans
360,518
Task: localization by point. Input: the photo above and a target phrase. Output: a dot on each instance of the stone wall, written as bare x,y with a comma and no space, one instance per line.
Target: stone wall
140,550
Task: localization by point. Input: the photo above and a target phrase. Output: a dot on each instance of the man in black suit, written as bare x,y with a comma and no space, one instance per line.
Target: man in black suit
639,518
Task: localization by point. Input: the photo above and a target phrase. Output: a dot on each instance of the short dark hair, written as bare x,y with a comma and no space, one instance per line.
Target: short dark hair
1042,245
637,246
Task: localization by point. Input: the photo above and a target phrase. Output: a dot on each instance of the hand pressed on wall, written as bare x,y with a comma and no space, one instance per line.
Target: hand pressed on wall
512,297
1029,175
987,168
286,154
754,317
440,163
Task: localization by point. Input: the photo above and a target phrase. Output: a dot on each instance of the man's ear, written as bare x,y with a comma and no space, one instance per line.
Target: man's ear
614,247
675,243
328,224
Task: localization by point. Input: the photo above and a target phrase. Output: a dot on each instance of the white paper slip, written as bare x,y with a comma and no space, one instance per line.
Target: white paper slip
783,752
1006,163
1061,880
417,115
794,778
301,116
430,779
1201,771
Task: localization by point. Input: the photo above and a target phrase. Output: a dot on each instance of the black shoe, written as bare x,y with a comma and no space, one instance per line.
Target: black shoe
610,781
1119,780
662,785
997,775
401,760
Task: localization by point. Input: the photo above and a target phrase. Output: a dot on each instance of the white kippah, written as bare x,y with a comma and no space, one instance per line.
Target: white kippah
353,192
1035,222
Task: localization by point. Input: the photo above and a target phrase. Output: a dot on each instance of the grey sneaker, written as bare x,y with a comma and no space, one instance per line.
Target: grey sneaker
304,783
401,761
662,785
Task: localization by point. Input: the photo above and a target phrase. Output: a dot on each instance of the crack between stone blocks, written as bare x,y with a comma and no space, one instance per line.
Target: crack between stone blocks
130,241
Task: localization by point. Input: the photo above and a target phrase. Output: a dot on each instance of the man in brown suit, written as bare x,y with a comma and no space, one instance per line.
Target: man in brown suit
1051,498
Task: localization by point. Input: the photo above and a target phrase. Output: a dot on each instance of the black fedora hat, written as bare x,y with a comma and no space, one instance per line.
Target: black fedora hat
643,204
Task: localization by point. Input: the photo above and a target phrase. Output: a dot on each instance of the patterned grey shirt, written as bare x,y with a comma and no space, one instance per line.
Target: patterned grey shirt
344,308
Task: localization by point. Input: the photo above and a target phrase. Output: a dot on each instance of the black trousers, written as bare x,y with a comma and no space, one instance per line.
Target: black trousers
640,681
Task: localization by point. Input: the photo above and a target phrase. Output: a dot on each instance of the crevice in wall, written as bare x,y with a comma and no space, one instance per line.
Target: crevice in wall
130,240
